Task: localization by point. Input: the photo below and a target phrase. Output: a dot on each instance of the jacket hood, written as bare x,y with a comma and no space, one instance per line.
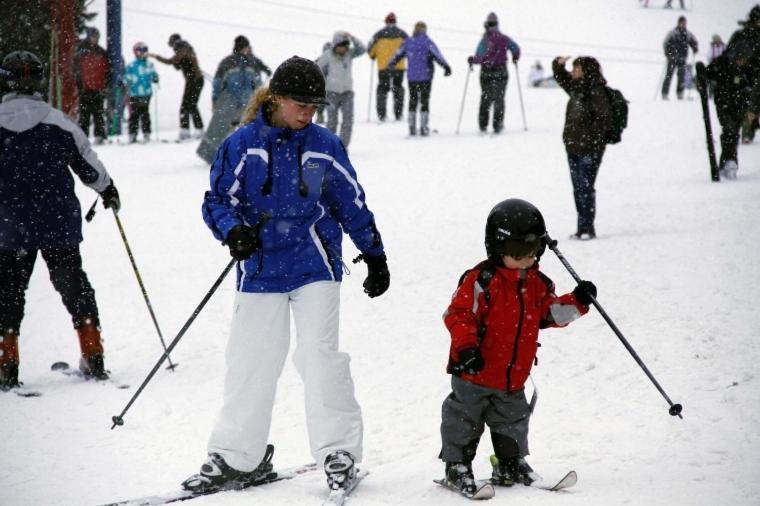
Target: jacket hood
19,113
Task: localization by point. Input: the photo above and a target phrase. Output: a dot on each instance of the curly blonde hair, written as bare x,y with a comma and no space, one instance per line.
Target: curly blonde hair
264,97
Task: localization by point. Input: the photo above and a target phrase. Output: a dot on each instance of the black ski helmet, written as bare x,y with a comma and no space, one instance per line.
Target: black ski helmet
514,219
22,72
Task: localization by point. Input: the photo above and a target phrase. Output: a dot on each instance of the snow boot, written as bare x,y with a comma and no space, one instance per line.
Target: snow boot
340,470
510,470
9,360
424,130
412,123
459,475
216,474
729,169
91,362
146,137
184,134
132,138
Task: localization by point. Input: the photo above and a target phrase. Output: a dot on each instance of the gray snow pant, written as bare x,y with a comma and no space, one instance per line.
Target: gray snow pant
469,407
345,103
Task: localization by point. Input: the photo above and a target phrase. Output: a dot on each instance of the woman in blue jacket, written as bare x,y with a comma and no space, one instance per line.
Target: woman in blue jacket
282,192
420,52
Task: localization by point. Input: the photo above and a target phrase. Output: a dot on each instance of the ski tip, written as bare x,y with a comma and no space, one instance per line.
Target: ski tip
59,366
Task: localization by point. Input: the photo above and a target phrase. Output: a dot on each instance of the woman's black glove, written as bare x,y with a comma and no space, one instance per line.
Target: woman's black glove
471,361
584,292
378,277
242,241
110,197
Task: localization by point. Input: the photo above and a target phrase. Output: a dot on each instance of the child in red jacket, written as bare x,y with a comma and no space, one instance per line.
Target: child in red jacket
494,318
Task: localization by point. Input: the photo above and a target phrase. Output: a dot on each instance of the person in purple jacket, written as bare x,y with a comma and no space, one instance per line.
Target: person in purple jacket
420,52
491,55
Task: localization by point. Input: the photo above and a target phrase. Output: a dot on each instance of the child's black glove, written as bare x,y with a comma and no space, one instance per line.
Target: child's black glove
110,197
471,360
378,277
242,241
584,292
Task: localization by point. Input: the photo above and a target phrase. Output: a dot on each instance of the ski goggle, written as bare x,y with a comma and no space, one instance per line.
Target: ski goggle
141,49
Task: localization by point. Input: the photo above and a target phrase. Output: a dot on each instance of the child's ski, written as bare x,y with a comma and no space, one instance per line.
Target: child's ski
485,489
567,481
65,368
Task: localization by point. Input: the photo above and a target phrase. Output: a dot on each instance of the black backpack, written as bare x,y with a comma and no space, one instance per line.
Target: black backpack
619,107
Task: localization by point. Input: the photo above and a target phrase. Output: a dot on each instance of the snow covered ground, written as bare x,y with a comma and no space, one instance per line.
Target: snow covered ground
675,263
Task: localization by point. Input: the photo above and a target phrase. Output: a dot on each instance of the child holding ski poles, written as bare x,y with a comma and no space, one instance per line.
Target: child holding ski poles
494,318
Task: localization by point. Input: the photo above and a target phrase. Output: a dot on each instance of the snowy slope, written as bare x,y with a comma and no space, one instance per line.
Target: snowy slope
675,265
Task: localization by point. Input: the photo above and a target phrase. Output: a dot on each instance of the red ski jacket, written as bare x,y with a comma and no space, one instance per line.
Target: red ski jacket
521,302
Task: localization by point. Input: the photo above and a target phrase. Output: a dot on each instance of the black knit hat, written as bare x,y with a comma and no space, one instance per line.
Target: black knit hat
241,42
300,79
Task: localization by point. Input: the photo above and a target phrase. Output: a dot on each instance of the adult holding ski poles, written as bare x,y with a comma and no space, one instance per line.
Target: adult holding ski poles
491,55
41,212
382,47
676,47
295,182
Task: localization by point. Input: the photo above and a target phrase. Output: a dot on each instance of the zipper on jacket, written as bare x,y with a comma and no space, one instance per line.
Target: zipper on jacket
328,252
519,330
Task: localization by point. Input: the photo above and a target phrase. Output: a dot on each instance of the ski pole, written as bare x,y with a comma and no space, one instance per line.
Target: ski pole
119,419
519,91
91,213
155,108
371,79
675,409
464,94
142,288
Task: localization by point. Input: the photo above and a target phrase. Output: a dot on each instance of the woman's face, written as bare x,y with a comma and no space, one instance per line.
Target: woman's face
293,114
577,72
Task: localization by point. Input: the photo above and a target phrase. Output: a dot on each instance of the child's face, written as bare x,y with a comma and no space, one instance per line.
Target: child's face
293,114
518,263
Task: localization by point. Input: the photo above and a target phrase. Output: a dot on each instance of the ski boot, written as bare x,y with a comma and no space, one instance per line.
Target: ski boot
132,138
216,474
459,475
412,123
340,470
9,360
184,135
91,363
729,169
511,470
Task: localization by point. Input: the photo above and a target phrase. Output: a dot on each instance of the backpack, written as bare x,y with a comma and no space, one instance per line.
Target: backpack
619,107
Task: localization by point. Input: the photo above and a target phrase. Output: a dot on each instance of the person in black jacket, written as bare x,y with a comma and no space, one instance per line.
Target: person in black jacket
41,213
588,119
676,48
186,61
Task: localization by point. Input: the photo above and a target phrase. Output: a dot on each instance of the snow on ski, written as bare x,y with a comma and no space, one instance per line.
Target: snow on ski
65,368
567,481
484,491
186,495
339,497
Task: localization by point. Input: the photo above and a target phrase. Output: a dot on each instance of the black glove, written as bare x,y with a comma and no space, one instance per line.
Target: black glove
584,292
446,71
378,276
242,241
471,360
110,197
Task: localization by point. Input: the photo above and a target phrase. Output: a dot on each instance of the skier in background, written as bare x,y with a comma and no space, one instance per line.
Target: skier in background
186,61
490,361
321,107
140,76
382,47
491,55
41,212
92,71
282,193
420,52
676,48
337,64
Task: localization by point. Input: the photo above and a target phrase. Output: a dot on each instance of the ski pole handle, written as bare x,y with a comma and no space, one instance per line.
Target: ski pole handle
675,409
91,213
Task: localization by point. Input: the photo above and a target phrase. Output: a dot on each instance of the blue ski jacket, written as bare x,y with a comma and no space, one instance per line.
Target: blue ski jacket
140,76
304,181
38,146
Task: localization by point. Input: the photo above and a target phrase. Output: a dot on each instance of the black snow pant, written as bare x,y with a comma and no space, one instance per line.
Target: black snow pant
91,105
680,67
493,88
139,112
189,105
731,116
388,80
469,408
66,274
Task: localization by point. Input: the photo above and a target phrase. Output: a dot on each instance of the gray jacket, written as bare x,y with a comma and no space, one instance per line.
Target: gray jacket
337,69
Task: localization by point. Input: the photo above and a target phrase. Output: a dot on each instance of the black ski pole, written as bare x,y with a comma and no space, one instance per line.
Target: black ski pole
675,409
91,213
519,90
119,419
142,288
702,88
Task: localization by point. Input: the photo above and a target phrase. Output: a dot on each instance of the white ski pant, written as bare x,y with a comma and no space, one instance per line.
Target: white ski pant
256,353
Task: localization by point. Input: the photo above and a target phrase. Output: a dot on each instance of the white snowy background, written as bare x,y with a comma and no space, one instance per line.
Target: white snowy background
675,263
